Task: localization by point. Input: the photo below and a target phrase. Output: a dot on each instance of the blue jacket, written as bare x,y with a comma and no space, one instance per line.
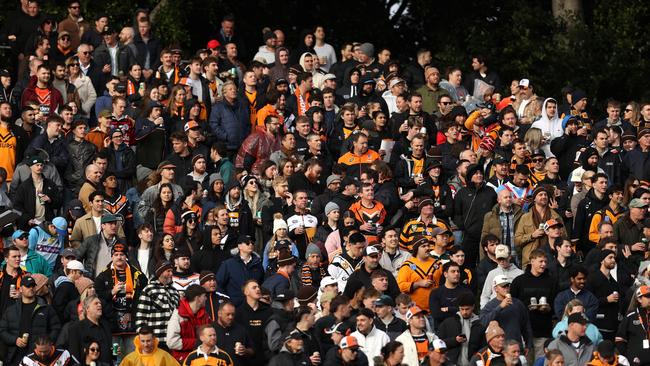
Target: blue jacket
276,283
45,244
230,123
589,301
57,150
233,273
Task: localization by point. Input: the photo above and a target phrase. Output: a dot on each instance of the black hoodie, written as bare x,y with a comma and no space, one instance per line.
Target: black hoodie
527,286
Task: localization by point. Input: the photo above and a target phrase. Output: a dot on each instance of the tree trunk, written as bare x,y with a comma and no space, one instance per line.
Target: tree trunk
566,9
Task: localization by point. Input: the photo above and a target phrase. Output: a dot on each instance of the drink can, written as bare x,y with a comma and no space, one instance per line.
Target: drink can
115,348
12,288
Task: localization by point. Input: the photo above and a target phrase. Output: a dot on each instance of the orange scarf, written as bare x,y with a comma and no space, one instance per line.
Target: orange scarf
129,280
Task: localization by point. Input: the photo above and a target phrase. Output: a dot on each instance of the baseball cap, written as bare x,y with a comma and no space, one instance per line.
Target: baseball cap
576,175
394,82
213,43
413,311
69,252
643,291
501,251
329,77
349,342
637,203
75,265
500,280
190,125
551,223
577,318
28,281
384,300
19,233
438,345
284,295
327,281
109,218
524,83
63,33
371,250
293,335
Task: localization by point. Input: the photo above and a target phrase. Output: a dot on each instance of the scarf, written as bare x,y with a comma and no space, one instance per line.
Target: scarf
129,280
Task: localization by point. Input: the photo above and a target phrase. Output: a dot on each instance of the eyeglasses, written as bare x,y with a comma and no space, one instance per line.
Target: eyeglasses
93,349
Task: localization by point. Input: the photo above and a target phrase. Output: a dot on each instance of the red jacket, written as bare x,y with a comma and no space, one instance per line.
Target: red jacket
189,323
259,145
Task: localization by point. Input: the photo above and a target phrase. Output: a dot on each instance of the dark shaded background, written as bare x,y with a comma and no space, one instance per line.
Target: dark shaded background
603,50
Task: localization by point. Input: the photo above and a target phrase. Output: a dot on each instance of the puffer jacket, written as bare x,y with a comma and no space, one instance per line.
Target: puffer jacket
181,330
56,150
81,154
470,206
260,145
44,322
230,122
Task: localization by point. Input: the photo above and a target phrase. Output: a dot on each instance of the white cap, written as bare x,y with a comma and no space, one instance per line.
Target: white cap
326,281
500,280
394,82
501,251
576,175
524,82
75,265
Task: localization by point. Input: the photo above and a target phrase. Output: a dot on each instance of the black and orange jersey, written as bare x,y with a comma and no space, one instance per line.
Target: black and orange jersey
374,216
8,143
118,206
418,227
354,163
216,357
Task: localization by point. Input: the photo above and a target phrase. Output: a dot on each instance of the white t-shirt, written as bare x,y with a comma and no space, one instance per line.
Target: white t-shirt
143,259
328,52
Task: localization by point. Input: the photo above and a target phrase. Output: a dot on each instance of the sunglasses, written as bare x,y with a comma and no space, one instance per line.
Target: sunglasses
30,286
23,237
117,136
445,103
628,110
73,65
93,349
85,52
65,38
538,160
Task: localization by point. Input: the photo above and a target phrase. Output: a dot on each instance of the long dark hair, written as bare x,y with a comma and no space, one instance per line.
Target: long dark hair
158,204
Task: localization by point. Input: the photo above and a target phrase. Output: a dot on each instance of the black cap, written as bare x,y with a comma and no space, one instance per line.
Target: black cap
181,252
108,30
28,281
244,239
284,295
292,335
5,73
577,318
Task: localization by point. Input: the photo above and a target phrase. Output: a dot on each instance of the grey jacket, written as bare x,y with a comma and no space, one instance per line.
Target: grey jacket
572,356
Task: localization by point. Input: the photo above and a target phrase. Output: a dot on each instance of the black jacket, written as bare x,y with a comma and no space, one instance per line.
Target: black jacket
565,148
44,322
82,330
361,278
451,327
25,200
526,286
470,206
81,154
125,57
121,161
153,47
582,220
601,287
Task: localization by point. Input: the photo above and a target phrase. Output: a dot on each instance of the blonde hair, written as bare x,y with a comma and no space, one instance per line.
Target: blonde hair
533,139
572,304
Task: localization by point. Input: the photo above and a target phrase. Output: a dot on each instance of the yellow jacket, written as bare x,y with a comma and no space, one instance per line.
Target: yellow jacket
414,270
156,358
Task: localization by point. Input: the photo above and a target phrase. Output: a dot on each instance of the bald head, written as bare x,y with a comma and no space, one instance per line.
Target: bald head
93,173
504,197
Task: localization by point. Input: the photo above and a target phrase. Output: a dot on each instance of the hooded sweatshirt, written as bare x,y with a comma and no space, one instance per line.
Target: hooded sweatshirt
157,357
44,243
550,125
